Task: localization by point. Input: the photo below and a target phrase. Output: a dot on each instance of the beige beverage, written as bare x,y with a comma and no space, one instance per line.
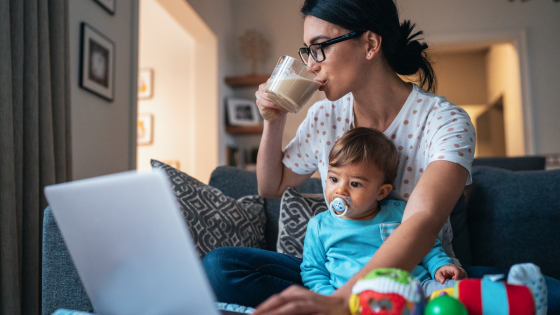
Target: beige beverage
291,91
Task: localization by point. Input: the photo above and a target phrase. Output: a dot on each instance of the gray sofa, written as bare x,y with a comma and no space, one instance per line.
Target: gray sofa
504,218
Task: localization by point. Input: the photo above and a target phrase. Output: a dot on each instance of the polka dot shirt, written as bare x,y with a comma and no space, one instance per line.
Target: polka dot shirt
428,128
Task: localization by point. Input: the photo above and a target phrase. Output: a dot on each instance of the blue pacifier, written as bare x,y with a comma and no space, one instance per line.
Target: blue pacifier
340,205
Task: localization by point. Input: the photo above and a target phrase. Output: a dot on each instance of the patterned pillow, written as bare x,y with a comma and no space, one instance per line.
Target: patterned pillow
296,210
214,219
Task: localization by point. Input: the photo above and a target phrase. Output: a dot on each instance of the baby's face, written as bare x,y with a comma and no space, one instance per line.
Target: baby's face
361,183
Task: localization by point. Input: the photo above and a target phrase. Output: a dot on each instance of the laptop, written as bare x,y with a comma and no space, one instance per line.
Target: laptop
131,246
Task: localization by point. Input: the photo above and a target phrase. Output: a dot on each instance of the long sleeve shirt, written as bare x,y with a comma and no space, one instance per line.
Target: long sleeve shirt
335,248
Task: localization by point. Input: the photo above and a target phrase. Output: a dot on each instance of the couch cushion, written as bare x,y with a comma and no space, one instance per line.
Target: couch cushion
521,163
460,233
296,210
62,287
513,218
214,219
237,183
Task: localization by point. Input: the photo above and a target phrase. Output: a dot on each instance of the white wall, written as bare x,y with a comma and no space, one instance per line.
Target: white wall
167,48
461,76
103,136
504,80
279,21
538,18
282,24
217,14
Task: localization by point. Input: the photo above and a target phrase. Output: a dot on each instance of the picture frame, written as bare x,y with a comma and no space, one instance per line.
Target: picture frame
145,129
108,5
97,65
242,112
145,83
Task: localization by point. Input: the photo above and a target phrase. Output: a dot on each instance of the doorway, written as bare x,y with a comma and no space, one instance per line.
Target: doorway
178,71
487,77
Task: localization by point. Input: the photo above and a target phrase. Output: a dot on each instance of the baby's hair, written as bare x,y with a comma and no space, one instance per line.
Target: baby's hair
366,145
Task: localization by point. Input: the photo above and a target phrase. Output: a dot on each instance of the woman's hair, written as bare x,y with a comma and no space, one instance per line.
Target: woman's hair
366,145
402,49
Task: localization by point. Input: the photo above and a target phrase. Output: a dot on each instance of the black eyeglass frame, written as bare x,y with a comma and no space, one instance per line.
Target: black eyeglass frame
307,49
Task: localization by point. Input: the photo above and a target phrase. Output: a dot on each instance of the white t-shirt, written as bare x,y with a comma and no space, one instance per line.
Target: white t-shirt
428,128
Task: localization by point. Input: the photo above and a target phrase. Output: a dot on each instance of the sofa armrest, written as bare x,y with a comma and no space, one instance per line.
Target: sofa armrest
62,287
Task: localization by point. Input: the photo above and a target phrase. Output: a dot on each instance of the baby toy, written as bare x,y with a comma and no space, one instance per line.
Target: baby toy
387,291
491,296
445,304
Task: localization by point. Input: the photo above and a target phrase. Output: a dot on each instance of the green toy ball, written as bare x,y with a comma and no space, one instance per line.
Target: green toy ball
445,305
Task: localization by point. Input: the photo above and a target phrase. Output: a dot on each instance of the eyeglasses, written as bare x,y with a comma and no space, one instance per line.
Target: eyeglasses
316,50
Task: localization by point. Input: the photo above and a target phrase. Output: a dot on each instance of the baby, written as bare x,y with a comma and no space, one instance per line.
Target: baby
362,168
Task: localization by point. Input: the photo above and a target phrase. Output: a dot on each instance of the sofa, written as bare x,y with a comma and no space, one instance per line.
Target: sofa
504,217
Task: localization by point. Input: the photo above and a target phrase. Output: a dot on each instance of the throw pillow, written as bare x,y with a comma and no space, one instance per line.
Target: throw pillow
214,219
296,210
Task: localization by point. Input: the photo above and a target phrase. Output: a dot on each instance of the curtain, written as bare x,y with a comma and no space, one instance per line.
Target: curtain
35,139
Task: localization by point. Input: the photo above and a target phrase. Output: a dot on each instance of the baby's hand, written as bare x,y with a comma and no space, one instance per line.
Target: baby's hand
450,272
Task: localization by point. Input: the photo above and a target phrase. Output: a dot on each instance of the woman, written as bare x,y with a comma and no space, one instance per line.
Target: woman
357,48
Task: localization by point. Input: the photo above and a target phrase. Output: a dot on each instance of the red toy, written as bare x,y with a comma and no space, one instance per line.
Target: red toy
487,296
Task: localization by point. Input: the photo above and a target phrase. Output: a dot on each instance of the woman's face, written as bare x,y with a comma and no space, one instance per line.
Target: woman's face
344,62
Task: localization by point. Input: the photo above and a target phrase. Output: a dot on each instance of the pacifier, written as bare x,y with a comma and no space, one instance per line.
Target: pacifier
340,205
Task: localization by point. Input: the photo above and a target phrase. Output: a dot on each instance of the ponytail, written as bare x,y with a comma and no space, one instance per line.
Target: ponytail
407,56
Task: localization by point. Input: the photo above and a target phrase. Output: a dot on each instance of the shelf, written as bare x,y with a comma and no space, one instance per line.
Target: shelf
245,130
246,81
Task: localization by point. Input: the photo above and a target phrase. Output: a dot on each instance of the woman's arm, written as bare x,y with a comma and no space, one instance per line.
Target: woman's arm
272,176
429,206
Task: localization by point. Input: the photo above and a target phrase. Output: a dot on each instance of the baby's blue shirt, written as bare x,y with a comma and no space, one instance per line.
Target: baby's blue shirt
335,249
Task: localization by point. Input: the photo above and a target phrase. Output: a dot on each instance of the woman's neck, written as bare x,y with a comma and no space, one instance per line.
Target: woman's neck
379,98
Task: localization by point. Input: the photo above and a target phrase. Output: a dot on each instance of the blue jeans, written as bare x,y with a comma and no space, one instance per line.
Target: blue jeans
248,276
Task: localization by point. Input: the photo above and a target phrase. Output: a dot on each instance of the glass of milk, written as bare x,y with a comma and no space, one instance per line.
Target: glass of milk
291,85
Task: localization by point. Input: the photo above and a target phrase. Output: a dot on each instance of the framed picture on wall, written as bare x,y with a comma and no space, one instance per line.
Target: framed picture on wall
242,112
97,70
145,131
108,5
145,83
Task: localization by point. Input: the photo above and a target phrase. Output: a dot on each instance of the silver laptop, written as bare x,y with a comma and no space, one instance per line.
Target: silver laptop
130,245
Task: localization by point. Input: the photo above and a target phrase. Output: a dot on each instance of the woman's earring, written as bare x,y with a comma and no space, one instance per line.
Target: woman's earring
369,54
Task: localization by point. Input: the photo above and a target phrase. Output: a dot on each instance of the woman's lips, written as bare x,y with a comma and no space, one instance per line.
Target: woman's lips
323,83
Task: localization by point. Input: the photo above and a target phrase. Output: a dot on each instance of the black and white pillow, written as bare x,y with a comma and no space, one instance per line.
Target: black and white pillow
214,219
296,210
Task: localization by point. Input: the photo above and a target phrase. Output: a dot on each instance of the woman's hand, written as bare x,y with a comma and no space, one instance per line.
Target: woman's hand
297,300
450,272
269,110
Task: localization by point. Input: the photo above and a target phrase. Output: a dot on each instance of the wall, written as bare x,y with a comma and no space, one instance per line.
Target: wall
167,48
503,79
538,19
462,79
103,133
461,76
281,23
217,14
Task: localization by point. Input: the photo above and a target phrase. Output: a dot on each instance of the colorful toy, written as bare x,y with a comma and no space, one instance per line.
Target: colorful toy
491,296
443,305
437,293
387,291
